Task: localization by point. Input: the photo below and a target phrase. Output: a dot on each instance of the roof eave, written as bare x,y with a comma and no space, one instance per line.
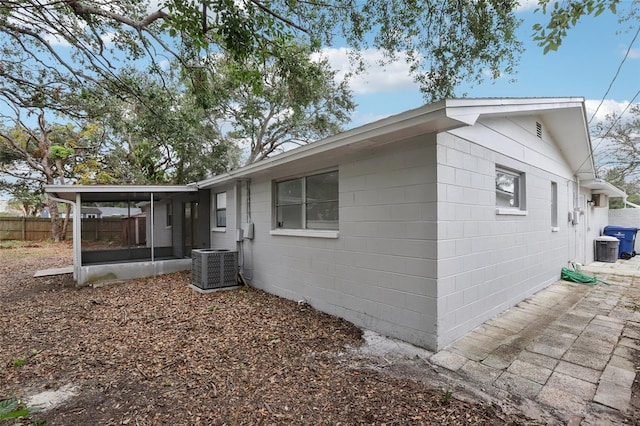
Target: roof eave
426,119
69,192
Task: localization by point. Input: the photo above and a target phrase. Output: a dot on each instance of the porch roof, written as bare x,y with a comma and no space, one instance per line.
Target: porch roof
104,193
599,186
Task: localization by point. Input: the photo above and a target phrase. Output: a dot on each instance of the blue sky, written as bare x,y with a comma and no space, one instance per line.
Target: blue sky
584,65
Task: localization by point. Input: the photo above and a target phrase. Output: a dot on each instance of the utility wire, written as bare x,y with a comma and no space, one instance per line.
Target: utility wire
616,75
606,134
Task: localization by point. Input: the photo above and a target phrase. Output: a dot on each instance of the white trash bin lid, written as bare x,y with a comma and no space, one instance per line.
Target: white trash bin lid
606,238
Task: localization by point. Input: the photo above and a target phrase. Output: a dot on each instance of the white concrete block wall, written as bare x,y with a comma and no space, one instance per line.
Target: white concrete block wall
380,273
629,218
489,262
421,253
224,238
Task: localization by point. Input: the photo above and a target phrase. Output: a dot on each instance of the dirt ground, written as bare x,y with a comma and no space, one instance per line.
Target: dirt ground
152,351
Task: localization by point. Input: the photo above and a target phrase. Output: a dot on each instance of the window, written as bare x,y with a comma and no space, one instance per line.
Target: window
309,202
554,206
509,190
221,209
169,214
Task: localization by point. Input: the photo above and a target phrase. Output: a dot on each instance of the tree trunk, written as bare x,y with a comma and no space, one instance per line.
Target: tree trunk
65,223
57,228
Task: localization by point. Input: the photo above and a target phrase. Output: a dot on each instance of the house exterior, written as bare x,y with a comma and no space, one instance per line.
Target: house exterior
425,224
420,226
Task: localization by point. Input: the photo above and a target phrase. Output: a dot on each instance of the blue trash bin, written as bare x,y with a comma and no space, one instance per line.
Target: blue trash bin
627,237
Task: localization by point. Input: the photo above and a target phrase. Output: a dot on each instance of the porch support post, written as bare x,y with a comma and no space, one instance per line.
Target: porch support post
77,237
153,248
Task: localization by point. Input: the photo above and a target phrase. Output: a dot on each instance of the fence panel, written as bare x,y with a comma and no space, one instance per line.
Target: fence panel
39,229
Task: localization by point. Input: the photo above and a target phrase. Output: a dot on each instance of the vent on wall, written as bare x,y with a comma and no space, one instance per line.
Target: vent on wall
539,129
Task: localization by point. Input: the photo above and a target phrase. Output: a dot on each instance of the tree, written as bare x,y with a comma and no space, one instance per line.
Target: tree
565,15
43,155
444,42
26,197
277,105
172,141
629,185
619,158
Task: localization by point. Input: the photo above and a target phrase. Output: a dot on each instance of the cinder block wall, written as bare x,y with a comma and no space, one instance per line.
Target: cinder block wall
489,262
223,238
629,218
380,273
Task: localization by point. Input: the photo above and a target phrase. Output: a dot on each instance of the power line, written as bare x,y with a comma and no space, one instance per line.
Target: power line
616,75
606,134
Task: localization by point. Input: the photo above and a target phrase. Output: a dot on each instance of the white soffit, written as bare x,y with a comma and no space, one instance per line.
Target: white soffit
599,186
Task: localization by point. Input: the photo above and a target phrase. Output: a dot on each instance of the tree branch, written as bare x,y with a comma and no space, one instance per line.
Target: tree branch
279,17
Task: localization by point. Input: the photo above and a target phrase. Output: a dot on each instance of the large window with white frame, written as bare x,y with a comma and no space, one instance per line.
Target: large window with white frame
307,202
510,190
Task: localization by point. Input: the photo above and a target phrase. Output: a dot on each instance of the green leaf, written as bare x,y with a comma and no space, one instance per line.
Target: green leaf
15,414
10,409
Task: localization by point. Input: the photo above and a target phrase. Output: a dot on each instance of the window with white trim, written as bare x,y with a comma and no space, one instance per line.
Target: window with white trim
510,185
308,202
221,209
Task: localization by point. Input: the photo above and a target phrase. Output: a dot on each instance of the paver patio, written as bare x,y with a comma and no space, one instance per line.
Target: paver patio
568,347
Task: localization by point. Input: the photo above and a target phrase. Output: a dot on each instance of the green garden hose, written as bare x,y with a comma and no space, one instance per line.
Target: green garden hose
578,277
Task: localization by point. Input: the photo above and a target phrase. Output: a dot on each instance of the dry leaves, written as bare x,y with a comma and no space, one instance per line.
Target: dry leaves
152,351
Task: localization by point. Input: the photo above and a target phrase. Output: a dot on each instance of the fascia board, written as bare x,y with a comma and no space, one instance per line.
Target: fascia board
469,110
69,192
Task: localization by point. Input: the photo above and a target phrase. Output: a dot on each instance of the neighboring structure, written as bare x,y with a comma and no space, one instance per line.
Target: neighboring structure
420,226
98,212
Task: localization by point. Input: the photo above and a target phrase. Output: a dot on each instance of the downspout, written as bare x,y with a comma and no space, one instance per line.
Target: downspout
77,253
238,220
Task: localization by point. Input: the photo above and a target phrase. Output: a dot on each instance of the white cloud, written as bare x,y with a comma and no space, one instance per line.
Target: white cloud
527,5
154,5
633,53
55,40
107,38
609,106
377,78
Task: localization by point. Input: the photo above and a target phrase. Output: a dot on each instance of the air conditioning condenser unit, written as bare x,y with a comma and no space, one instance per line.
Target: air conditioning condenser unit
214,268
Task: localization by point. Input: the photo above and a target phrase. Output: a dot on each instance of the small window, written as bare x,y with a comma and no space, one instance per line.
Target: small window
221,209
309,202
169,214
509,189
554,205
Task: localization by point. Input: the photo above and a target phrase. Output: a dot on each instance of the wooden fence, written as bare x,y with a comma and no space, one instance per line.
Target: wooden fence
121,230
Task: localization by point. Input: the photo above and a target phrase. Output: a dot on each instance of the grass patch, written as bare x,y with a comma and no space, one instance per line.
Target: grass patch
9,244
